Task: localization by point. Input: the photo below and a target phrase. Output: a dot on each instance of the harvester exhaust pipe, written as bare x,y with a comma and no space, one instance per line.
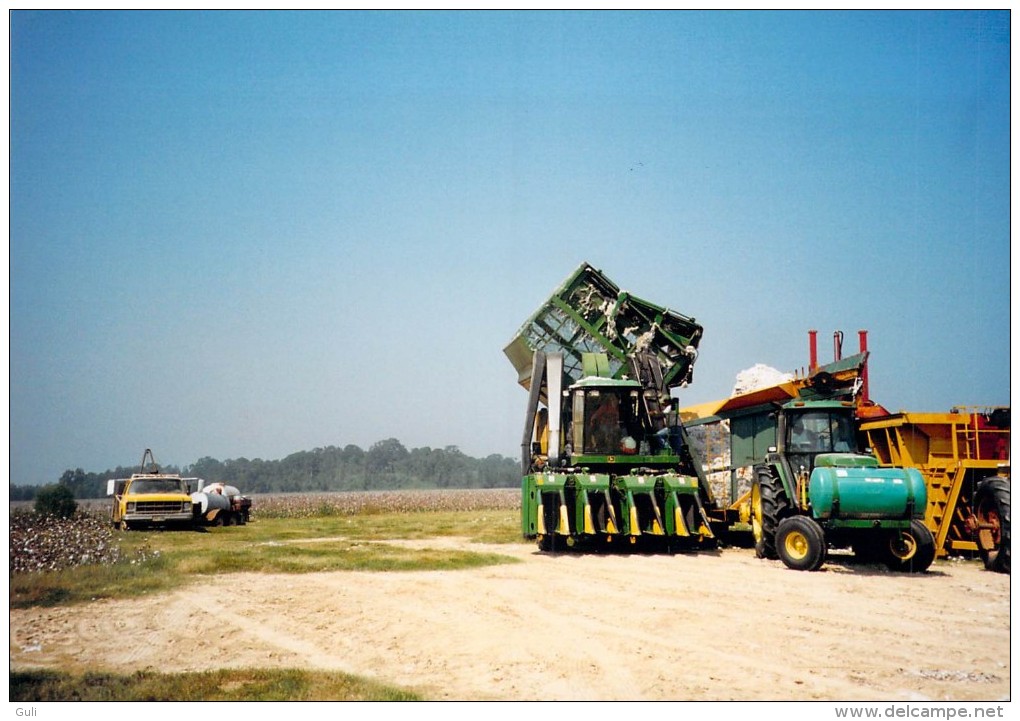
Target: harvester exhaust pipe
837,346
812,351
862,336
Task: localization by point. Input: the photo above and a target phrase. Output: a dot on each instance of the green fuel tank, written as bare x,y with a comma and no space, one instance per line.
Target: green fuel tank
853,486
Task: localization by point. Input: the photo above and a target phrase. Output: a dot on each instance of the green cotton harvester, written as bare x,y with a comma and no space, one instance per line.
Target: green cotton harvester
605,460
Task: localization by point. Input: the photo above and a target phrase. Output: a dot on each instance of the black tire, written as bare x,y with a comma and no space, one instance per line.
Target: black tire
910,550
767,510
800,543
991,511
865,549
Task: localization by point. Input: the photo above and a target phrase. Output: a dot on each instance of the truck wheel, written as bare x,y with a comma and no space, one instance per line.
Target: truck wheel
768,507
991,511
910,550
800,543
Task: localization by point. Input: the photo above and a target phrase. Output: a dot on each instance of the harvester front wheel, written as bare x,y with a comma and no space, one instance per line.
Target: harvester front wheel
800,543
768,507
910,550
991,511
554,543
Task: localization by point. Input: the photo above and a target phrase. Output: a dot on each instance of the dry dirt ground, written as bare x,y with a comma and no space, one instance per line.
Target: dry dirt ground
712,626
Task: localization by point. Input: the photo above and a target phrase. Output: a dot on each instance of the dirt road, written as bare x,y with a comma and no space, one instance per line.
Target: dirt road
715,626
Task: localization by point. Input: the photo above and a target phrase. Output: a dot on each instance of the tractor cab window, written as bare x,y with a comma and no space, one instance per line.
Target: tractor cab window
604,421
820,432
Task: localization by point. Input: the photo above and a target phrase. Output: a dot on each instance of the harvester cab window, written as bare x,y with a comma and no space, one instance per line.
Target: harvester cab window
609,421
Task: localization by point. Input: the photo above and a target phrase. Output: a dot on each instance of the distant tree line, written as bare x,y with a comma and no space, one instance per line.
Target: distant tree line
387,465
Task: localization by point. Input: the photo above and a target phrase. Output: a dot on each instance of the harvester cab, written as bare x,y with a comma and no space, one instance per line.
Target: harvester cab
600,420
604,458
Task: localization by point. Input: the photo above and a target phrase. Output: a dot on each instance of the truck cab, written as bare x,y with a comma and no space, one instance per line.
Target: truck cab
150,499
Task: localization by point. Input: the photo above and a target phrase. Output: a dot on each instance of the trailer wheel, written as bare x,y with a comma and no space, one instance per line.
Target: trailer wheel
800,543
768,507
991,511
910,550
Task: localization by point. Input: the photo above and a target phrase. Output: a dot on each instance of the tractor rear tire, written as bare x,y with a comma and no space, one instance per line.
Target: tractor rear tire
910,550
800,543
769,506
991,507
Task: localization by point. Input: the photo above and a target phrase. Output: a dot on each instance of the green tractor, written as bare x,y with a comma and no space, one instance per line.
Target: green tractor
811,491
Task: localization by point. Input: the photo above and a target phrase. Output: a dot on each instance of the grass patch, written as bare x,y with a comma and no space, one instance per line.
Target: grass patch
222,685
159,560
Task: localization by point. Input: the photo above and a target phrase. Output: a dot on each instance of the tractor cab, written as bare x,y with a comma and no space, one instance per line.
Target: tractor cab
813,429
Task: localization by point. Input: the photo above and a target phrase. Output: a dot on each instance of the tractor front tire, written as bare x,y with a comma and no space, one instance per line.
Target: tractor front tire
991,508
800,542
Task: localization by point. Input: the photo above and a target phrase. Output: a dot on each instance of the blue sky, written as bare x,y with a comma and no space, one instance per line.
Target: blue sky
250,234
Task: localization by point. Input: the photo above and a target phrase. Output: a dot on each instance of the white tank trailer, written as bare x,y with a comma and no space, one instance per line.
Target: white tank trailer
218,504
